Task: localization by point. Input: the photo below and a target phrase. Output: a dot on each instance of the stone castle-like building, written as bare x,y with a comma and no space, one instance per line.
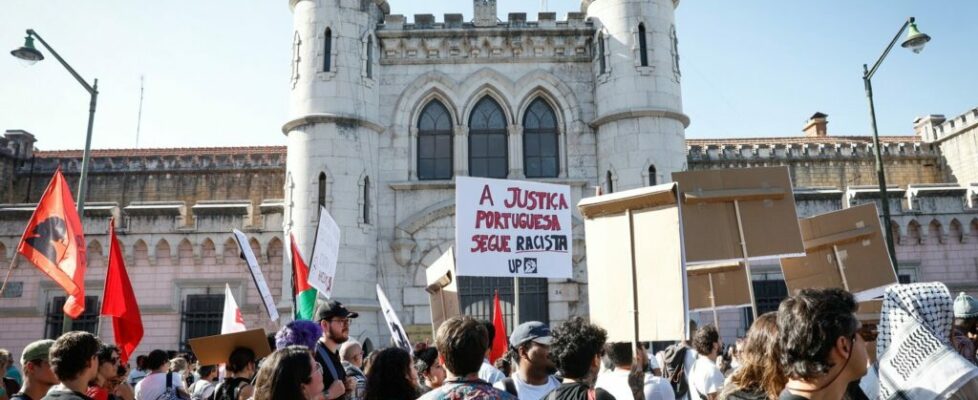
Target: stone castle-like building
386,112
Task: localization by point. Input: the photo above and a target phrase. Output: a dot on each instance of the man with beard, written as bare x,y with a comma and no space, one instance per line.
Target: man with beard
334,319
529,347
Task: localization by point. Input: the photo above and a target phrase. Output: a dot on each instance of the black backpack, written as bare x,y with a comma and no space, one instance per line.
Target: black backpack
674,369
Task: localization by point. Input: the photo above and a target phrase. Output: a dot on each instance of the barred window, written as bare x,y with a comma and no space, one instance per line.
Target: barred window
488,142
435,153
540,158
87,321
201,316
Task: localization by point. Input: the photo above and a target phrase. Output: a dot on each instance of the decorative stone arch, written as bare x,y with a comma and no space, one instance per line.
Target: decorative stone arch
162,253
275,251
610,175
187,254
229,252
956,231
936,229
208,252
493,91
567,105
328,195
898,232
647,173
914,232
408,104
140,253
368,56
256,248
974,227
3,253
558,106
404,245
93,252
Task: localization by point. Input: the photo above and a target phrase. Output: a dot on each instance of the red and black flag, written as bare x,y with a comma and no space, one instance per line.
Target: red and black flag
55,243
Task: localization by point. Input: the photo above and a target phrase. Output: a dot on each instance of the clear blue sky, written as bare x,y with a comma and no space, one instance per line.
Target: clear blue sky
217,71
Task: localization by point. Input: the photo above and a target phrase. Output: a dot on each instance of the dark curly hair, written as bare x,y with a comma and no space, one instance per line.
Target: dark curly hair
576,342
705,338
388,376
809,324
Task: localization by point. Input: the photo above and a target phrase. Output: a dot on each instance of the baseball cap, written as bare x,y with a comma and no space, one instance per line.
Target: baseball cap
534,331
36,351
333,308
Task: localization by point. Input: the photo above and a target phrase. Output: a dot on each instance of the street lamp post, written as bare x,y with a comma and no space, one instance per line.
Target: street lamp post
915,41
31,55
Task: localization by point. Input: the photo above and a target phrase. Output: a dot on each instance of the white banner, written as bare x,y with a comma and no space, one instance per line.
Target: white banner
512,228
249,256
325,250
398,334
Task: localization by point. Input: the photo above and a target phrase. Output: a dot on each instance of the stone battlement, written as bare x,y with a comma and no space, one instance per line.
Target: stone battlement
795,148
517,20
159,160
935,128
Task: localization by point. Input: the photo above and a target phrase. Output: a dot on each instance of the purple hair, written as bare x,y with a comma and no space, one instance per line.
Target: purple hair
298,332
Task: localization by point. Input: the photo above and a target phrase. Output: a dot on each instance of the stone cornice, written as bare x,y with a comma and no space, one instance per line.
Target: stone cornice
619,115
310,119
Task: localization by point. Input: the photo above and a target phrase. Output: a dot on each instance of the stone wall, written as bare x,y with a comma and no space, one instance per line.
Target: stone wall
958,140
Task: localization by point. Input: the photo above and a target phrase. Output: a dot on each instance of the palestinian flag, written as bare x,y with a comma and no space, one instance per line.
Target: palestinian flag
303,294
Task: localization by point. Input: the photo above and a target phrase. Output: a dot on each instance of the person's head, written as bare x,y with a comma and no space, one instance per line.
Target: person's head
178,364
462,344
116,379
529,346
620,354
706,341
157,361
818,337
289,373
74,357
241,362
965,313
141,362
760,369
352,352
334,319
392,376
37,365
108,361
576,348
5,359
298,332
207,372
429,368
490,334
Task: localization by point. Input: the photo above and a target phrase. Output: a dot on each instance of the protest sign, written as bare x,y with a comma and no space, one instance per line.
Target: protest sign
213,350
508,228
325,253
636,273
845,249
443,289
717,287
249,256
398,334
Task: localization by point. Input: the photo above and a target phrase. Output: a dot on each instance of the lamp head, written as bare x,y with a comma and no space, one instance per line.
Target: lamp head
915,39
27,52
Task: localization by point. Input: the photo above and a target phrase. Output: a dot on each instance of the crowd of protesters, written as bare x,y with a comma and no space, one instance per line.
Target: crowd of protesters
812,347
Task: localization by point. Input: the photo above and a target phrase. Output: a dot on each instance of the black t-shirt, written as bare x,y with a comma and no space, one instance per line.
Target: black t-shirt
331,358
578,391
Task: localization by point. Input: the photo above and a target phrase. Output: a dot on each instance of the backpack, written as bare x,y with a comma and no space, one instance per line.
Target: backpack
229,389
674,369
198,391
171,392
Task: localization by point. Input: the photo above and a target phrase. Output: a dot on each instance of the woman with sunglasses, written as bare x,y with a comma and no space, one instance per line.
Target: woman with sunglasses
290,373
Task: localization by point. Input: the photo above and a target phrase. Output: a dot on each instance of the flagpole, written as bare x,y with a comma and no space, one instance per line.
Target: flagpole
13,261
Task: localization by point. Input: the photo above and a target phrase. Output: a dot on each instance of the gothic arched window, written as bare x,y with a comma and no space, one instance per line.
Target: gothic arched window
601,61
322,192
488,155
435,142
653,180
370,56
642,46
609,186
540,150
328,50
366,200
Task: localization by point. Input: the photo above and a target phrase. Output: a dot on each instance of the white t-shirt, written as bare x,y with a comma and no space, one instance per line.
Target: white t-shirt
690,358
653,361
704,378
489,373
616,383
526,391
154,385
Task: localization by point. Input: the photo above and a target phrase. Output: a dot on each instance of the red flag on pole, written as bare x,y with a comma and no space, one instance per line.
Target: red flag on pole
119,301
500,340
55,243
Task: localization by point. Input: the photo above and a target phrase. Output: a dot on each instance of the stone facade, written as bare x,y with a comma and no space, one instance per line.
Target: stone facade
958,140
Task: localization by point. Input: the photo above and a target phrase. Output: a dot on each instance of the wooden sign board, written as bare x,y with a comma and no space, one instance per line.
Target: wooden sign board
214,350
767,214
634,240
443,289
845,249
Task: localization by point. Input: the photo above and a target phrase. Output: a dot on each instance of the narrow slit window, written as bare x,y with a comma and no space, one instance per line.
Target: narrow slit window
642,46
328,50
366,200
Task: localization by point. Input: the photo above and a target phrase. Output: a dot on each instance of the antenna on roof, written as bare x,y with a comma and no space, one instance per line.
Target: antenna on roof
543,5
139,117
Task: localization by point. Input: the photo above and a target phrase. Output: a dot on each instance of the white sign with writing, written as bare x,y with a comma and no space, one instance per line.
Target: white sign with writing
249,256
510,228
325,250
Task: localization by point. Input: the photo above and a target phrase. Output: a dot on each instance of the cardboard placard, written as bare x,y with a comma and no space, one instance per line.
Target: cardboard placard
729,287
767,208
214,350
635,243
508,228
443,289
256,275
852,236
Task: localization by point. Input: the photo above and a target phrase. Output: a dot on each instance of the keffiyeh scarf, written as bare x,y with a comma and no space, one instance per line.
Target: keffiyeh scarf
916,360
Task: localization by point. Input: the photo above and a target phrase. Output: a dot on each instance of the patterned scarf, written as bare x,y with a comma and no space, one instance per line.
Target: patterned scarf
916,360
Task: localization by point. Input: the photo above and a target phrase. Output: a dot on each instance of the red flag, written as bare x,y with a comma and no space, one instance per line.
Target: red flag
55,243
499,341
119,301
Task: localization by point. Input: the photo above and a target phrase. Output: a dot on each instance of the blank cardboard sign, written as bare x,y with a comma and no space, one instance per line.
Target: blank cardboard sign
213,350
641,225
729,286
767,207
855,236
443,289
